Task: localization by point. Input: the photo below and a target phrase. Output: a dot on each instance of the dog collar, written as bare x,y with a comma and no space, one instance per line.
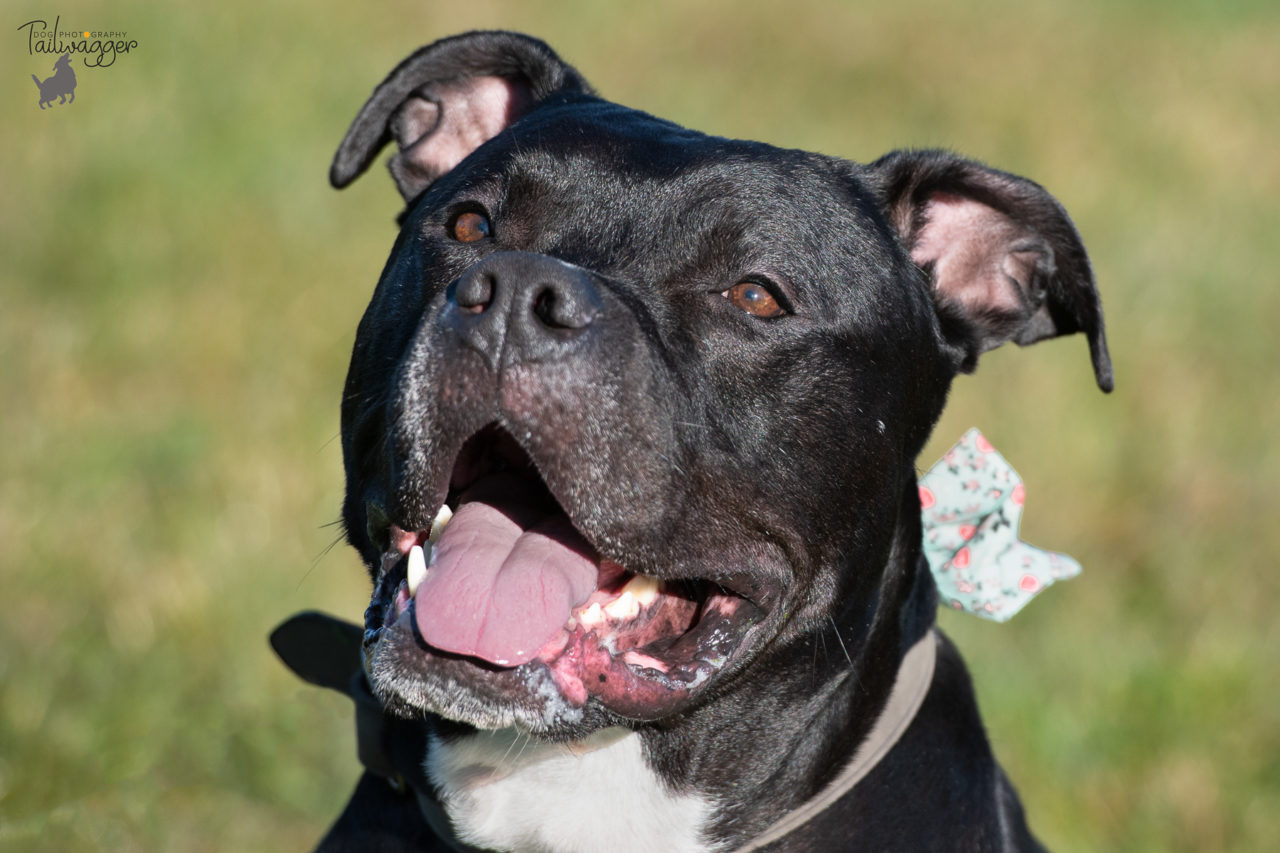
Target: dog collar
915,675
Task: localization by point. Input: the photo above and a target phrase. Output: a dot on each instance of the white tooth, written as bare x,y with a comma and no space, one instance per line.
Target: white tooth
417,568
644,588
640,659
438,523
623,607
592,615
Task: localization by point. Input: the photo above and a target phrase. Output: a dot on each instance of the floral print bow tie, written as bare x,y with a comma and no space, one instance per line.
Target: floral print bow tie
972,506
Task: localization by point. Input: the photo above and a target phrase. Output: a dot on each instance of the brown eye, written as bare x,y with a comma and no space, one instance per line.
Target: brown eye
753,298
470,227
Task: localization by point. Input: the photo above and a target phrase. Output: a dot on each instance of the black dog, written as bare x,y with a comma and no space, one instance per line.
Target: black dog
673,387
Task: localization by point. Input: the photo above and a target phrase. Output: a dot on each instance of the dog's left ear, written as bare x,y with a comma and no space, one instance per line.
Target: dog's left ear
319,648
448,99
999,251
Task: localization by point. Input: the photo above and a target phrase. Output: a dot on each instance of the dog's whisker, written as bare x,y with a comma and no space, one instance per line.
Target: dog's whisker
673,464
323,553
515,738
835,628
330,440
528,739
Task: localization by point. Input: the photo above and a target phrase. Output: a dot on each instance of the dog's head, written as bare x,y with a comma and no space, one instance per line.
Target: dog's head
671,385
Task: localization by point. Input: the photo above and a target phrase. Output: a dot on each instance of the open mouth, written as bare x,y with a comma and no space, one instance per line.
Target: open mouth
504,580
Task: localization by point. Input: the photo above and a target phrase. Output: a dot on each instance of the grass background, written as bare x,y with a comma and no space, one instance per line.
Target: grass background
180,287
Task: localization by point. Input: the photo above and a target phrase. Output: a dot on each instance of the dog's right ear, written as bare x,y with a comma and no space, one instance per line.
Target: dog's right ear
448,99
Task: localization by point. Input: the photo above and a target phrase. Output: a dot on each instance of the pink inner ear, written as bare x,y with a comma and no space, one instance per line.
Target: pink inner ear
415,118
982,261
434,139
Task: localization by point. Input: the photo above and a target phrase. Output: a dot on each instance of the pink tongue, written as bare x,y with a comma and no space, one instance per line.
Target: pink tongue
503,581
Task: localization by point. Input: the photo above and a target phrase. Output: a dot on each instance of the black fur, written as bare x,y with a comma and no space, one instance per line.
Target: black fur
686,438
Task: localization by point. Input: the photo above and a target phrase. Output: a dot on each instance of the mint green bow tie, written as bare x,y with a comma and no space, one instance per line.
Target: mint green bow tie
972,506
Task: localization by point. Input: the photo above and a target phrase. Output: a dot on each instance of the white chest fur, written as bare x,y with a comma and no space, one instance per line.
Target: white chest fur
506,792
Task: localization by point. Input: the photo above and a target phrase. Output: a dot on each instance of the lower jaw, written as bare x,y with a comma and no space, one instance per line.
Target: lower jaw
571,670
585,670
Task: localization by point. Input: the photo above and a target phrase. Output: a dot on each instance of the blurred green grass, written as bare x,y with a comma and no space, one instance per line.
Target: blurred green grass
180,289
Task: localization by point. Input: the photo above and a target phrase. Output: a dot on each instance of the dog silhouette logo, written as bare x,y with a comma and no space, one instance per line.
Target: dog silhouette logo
61,84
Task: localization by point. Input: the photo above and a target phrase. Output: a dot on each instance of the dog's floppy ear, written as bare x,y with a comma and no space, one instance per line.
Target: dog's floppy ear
1000,252
319,648
448,99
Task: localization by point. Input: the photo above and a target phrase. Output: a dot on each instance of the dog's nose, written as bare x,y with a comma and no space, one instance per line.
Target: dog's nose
519,307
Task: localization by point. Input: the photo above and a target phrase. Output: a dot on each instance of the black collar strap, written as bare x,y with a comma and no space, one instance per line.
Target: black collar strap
326,652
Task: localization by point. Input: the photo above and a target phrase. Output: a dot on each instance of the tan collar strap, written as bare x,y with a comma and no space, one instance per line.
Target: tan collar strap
909,689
